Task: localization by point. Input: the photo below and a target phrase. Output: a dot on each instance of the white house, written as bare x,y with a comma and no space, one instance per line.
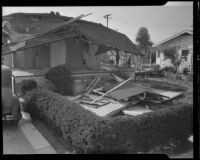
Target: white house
184,43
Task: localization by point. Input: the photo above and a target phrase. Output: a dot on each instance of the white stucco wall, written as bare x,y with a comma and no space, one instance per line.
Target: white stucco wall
57,53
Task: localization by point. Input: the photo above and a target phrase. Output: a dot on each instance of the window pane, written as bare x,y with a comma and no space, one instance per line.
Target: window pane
185,52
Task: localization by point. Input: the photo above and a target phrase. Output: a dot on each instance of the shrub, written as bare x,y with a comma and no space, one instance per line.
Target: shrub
185,71
172,54
89,133
121,73
156,67
28,85
168,69
60,76
163,85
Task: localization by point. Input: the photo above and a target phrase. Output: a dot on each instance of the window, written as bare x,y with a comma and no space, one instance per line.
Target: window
158,54
185,54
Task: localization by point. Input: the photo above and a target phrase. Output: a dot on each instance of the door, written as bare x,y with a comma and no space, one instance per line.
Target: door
42,56
75,55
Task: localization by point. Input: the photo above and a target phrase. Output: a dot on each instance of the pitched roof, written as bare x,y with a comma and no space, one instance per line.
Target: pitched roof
23,26
174,36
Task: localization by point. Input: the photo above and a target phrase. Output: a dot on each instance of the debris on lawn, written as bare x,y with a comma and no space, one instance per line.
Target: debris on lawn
108,95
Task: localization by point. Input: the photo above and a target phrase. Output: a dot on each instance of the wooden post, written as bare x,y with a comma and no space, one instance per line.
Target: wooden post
150,57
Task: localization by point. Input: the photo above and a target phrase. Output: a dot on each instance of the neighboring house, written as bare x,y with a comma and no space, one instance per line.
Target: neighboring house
184,43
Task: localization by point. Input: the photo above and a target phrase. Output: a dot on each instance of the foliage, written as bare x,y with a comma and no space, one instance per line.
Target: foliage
168,69
89,133
143,38
172,54
121,73
60,76
28,85
164,85
185,71
156,67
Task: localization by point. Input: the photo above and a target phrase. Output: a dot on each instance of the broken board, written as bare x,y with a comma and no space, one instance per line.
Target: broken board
108,110
165,95
127,92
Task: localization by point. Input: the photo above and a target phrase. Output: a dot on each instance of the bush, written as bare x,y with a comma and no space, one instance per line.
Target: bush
28,85
89,133
156,67
168,69
185,71
121,73
60,76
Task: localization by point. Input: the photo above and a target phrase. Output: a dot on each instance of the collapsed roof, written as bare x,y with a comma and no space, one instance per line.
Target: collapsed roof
36,29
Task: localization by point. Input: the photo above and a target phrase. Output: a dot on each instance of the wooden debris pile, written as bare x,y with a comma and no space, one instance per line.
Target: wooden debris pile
108,99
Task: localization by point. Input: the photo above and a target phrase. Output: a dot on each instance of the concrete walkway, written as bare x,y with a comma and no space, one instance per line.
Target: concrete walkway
24,139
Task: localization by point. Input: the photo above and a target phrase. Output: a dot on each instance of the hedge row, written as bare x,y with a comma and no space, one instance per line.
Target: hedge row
88,133
154,73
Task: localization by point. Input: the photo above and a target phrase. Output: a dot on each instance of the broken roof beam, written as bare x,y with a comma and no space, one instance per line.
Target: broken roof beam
46,41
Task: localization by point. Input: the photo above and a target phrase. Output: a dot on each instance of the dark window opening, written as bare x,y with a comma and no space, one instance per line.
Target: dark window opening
185,54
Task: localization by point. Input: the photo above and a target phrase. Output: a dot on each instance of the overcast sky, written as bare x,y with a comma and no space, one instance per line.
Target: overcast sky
161,21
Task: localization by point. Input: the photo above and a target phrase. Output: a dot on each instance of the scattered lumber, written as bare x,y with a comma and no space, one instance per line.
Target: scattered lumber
117,78
112,90
91,83
94,84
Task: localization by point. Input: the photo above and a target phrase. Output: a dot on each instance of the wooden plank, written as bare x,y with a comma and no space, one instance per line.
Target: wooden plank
107,110
94,84
90,84
112,89
126,93
118,79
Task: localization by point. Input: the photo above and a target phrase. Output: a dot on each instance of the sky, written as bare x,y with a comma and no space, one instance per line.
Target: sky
161,21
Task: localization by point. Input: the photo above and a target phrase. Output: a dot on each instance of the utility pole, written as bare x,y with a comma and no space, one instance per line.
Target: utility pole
107,18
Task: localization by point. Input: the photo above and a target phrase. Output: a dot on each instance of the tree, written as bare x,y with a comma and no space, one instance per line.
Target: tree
143,38
144,42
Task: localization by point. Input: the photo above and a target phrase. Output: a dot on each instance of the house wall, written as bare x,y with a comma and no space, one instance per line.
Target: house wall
42,56
29,58
57,53
184,41
69,51
92,60
7,60
74,53
37,57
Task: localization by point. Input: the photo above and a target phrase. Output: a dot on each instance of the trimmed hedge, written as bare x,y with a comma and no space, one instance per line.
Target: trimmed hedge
88,133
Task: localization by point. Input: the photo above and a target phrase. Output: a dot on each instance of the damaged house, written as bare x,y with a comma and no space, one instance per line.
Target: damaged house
52,42
37,42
